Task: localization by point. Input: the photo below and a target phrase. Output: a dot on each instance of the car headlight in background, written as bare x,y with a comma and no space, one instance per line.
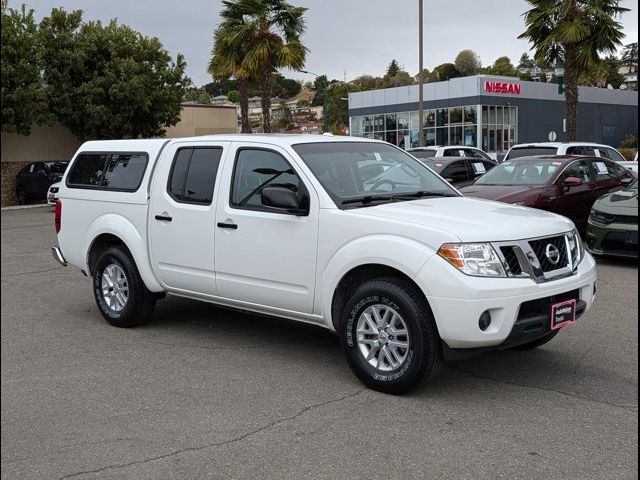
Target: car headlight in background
475,259
601,218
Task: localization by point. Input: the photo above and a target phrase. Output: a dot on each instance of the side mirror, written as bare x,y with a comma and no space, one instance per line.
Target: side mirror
285,199
627,181
571,182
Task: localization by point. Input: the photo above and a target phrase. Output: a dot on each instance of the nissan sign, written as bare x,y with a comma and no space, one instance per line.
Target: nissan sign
502,87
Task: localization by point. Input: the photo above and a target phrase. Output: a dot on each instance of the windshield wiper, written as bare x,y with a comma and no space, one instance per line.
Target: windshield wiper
422,194
365,199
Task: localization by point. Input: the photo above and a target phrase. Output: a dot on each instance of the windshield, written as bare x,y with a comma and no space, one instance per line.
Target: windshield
520,152
525,173
362,173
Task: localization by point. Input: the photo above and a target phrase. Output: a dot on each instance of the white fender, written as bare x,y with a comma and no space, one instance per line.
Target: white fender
401,253
125,230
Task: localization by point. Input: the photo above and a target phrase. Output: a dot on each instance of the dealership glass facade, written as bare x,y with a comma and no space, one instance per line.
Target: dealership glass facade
492,128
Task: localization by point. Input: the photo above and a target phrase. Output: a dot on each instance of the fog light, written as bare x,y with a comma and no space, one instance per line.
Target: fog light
485,321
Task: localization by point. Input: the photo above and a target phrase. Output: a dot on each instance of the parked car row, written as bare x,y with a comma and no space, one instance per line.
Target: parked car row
567,179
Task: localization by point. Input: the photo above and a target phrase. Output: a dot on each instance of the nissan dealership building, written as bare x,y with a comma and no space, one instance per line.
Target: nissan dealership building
491,113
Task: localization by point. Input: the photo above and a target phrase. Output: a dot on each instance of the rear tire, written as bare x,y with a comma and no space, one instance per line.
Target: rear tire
537,343
23,198
389,336
121,295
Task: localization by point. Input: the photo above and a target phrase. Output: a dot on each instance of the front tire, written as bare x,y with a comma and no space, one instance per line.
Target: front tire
389,337
121,295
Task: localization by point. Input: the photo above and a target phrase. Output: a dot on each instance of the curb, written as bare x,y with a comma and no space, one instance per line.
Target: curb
21,207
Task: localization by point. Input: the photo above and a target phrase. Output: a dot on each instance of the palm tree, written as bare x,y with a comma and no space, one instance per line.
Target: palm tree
226,62
575,32
267,32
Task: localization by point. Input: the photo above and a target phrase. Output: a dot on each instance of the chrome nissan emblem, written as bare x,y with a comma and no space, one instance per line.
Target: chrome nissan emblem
553,254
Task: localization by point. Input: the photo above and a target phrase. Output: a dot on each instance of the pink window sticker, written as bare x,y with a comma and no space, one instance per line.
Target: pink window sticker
563,314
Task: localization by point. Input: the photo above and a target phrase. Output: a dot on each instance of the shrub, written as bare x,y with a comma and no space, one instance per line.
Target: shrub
629,141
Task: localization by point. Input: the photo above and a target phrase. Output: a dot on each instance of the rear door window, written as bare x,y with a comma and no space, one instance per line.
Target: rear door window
193,175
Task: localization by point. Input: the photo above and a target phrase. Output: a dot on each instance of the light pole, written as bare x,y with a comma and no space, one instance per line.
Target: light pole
421,75
325,100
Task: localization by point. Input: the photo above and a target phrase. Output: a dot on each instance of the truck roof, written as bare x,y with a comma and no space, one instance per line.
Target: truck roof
155,144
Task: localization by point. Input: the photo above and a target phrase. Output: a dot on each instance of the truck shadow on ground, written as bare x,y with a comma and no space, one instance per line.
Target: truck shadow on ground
193,324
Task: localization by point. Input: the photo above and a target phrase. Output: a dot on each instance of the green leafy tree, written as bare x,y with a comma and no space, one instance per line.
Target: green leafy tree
199,95
443,72
525,76
401,79
468,63
368,82
268,33
285,87
223,87
338,111
629,57
23,101
503,66
393,68
526,61
109,81
319,86
233,96
576,32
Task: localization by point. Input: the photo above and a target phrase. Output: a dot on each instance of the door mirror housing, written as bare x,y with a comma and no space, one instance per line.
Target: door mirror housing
282,198
572,182
626,181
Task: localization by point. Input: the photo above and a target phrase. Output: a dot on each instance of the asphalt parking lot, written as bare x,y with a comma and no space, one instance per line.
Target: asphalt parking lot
202,392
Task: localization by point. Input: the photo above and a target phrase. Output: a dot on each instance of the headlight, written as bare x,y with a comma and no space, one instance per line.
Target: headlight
475,259
601,218
576,247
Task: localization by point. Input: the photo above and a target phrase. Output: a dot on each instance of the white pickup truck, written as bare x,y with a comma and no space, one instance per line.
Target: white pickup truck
354,235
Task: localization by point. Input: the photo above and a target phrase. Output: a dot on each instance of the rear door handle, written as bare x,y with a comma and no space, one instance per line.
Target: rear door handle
163,218
232,226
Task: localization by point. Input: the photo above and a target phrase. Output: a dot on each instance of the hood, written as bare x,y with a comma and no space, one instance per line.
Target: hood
503,193
624,202
473,220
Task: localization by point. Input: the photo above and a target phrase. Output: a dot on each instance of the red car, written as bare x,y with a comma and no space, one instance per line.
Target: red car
568,185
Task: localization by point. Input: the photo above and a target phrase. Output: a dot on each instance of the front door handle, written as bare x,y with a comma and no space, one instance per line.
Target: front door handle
232,226
163,218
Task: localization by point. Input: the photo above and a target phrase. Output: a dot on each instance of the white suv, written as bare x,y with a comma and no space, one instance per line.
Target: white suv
449,151
572,148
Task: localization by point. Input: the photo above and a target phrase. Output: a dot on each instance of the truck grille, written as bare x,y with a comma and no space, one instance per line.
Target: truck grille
511,259
547,262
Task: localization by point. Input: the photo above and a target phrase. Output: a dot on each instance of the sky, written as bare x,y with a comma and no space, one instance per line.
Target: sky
346,38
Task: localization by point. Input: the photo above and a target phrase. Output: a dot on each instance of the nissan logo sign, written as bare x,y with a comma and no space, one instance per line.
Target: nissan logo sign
502,87
553,254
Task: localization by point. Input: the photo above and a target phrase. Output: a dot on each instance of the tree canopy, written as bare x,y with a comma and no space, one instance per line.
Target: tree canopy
23,96
468,63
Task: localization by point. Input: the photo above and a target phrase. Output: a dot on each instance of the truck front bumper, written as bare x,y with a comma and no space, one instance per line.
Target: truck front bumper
520,309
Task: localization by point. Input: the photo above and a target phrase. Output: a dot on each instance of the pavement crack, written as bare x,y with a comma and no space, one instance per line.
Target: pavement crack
31,273
237,439
553,390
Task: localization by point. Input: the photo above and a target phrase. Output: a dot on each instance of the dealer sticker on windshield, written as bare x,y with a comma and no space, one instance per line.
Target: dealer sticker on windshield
563,314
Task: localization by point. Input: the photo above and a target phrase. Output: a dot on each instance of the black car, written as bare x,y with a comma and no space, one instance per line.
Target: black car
459,172
34,180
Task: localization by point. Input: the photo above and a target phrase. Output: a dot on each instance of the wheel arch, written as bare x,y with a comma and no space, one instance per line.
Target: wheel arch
110,230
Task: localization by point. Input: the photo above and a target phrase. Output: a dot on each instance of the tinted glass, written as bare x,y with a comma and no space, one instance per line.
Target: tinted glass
58,167
521,173
577,170
39,168
178,176
423,153
256,170
193,175
530,152
581,150
88,169
452,152
611,154
606,170
470,152
344,170
125,171
201,178
456,172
